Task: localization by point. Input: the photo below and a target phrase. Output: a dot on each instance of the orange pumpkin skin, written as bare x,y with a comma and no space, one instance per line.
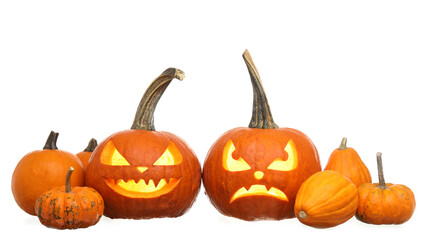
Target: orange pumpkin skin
141,148
84,155
326,199
84,158
80,207
258,147
41,170
385,203
346,161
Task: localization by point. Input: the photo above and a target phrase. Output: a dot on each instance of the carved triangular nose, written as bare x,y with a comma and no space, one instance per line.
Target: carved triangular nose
142,169
258,175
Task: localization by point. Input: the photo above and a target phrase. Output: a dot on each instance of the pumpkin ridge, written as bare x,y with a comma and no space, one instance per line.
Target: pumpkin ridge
340,195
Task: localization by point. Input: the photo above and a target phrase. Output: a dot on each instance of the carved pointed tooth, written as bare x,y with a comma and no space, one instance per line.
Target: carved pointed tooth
142,182
161,183
151,183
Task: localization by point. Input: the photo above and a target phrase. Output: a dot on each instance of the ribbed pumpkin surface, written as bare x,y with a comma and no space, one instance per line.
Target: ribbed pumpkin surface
326,199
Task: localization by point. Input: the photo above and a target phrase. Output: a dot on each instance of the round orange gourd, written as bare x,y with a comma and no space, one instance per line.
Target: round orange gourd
326,199
254,173
41,170
346,161
385,203
84,156
144,173
69,208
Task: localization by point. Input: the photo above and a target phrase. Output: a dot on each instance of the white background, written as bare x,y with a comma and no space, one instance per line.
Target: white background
330,69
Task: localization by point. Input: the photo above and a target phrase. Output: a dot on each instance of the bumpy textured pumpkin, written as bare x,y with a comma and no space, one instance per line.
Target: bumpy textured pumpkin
143,173
69,208
346,161
385,203
41,170
326,199
254,173
84,156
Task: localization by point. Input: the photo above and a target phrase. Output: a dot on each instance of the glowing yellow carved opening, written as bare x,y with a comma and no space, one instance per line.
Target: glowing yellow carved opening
259,190
171,156
258,175
229,163
291,163
142,169
142,189
111,156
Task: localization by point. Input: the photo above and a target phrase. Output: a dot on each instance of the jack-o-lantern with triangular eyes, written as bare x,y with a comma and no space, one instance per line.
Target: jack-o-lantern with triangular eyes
254,173
143,173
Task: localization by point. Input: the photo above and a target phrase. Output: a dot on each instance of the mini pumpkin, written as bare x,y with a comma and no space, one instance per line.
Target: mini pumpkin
326,199
385,203
254,172
144,173
84,156
346,161
69,208
41,170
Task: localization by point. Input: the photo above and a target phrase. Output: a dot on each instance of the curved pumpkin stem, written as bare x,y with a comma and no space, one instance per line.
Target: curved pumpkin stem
382,183
261,113
144,117
343,144
91,145
51,141
67,180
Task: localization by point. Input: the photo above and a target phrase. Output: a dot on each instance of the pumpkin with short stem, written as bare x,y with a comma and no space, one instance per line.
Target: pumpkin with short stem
69,208
385,203
144,173
254,172
84,156
346,161
326,199
41,170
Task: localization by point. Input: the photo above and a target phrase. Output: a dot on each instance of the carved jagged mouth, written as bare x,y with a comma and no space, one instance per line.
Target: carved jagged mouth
259,190
142,189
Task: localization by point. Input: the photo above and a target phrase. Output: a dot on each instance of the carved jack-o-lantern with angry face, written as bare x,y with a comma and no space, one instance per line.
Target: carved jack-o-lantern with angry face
255,172
143,173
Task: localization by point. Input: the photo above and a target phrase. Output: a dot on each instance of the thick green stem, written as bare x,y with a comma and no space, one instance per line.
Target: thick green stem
51,141
343,144
144,117
67,180
91,146
261,113
382,183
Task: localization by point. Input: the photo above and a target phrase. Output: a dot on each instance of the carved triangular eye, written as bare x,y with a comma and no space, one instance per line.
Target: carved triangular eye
171,156
291,163
229,163
110,156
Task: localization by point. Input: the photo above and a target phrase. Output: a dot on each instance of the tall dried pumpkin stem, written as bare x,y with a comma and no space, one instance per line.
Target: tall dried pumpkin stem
382,183
343,144
67,180
261,113
91,145
51,141
144,117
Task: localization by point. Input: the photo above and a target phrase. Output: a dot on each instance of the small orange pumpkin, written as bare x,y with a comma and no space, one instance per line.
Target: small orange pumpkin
41,170
69,208
326,199
84,156
346,161
385,203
